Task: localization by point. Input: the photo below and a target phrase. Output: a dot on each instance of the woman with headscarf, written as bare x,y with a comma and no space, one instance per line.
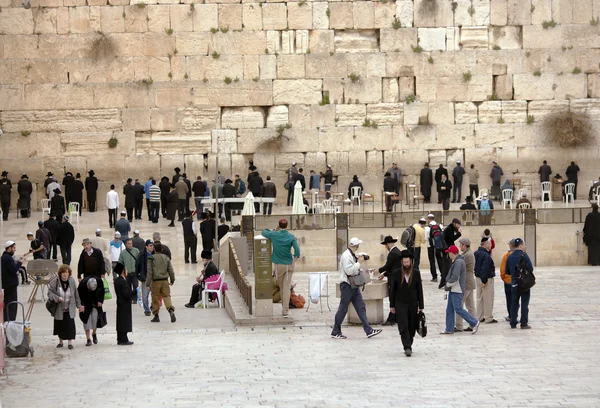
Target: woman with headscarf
91,293
64,292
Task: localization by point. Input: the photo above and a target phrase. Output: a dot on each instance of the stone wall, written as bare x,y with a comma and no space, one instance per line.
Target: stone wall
175,83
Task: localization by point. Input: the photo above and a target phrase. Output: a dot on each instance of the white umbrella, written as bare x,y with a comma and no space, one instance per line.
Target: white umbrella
298,207
248,204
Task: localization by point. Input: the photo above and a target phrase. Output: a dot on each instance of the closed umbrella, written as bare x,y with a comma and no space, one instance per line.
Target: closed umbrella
248,204
298,207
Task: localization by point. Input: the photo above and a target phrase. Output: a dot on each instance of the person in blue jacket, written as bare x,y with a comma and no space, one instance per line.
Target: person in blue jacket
484,275
516,295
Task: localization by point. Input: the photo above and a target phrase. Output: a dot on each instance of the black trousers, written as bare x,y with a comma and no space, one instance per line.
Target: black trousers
65,254
474,190
51,254
10,295
290,194
148,209
129,214
267,208
187,204
190,243
133,283
431,256
446,204
5,208
91,206
181,209
139,206
444,265
196,295
122,337
163,205
402,318
575,191
593,253
112,217
23,272
154,211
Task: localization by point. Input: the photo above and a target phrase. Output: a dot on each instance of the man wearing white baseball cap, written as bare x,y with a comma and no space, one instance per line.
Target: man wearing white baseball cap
350,267
10,278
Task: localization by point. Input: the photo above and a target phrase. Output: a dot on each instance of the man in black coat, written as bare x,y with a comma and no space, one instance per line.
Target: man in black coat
165,188
48,180
545,171
52,225
5,197
444,193
190,238
65,235
176,176
25,189
451,233
426,181
299,177
571,172
58,205
91,188
389,186
228,192
208,230
68,181
172,205
390,270
138,197
124,297
10,279
591,235
438,179
255,186
129,193
199,189
77,192
141,271
210,269
189,193
91,261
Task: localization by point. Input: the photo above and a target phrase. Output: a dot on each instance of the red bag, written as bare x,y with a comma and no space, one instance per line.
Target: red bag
297,300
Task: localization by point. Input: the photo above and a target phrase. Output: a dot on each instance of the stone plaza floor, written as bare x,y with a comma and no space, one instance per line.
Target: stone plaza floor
204,360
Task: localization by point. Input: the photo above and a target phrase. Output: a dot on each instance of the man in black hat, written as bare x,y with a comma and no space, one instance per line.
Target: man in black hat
25,189
65,235
138,196
390,270
68,181
77,192
176,176
5,188
91,261
451,233
210,269
389,186
58,205
52,225
190,237
124,297
5,177
48,180
129,194
438,179
228,192
91,188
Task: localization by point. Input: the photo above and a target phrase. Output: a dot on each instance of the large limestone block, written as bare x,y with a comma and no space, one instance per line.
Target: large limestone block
479,88
490,111
531,87
390,89
364,14
298,116
174,95
582,10
79,19
302,42
290,66
441,113
159,18
136,119
455,136
199,118
300,91
268,66
416,113
251,67
300,16
339,162
274,16
400,40
519,12
414,137
206,17
326,66
386,113
16,21
542,109
252,140
143,166
231,66
509,37
252,16
243,118
230,16
158,44
365,90
534,36
499,12
432,39
323,115
514,111
357,163
320,17
433,13
159,69
375,162
182,18
405,12
277,116
581,36
111,19
78,144
239,42
570,86
224,141
594,85
356,41
164,119
406,87
350,115
194,164
591,107
12,97
562,11
497,135
482,13
465,112
166,143
315,161
452,39
58,97
384,14
474,37
341,15
462,14
192,43
368,138
301,139
504,86
136,19
367,64
45,20
542,11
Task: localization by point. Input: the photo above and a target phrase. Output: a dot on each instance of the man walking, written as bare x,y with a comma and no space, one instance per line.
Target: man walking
65,235
138,197
396,173
10,279
391,270
116,247
138,242
112,204
283,260
102,244
129,257
147,193
269,190
160,271
451,233
473,174
5,188
291,175
349,265
199,189
141,271
468,296
190,238
426,181
91,261
512,268
52,226
591,235
154,200
457,175
123,226
419,242
25,189
130,196
432,226
328,176
484,274
91,188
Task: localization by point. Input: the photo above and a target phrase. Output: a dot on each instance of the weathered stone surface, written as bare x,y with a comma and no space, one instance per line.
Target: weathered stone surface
531,87
300,16
398,40
504,86
490,112
514,111
441,113
542,11
297,92
206,17
405,12
291,67
16,21
324,66
323,115
416,113
455,136
390,90
230,16
535,36
474,37
542,109
509,37
252,16
594,85
494,135
277,116
437,15
432,39
243,118
356,41
570,86
274,16
298,116
251,140
61,121
320,18
364,14
350,115
341,15
386,113
369,138
384,14
165,143
242,93
224,141
519,12
465,112
591,107
365,90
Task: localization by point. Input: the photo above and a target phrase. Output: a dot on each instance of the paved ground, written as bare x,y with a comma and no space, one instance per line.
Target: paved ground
203,360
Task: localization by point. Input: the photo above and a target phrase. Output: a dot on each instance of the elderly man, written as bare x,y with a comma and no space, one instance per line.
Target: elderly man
396,173
129,258
101,243
485,272
349,265
468,295
91,261
10,278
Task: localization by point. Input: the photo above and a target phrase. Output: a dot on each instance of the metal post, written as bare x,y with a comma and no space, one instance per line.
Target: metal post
216,244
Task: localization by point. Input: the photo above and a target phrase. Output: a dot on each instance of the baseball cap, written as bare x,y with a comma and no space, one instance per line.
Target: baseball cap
452,249
355,241
466,241
518,241
8,244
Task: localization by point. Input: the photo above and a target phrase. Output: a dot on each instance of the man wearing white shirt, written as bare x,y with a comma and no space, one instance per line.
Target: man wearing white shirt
112,203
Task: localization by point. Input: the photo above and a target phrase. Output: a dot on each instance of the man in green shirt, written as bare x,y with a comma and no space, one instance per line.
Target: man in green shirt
129,257
283,260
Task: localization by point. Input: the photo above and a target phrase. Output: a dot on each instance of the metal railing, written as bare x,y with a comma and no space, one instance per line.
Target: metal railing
297,222
239,277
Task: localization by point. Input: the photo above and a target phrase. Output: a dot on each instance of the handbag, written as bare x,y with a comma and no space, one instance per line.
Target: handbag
286,185
51,306
101,320
421,324
360,279
107,294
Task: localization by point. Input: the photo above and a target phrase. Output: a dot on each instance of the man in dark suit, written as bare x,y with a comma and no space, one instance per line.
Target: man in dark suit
390,270
138,197
91,188
389,186
438,180
129,193
25,189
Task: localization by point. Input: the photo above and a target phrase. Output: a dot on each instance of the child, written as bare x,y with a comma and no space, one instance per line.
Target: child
124,296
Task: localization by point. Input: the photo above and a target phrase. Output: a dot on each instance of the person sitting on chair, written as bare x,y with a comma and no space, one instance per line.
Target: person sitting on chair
210,269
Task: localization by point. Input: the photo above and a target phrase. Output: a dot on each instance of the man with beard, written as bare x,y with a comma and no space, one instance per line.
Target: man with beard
91,188
210,269
426,181
390,270
438,180
25,188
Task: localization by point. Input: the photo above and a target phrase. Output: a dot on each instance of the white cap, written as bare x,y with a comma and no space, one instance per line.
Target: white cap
355,241
117,234
98,230
422,220
293,163
458,162
329,165
8,244
136,232
485,195
430,215
30,233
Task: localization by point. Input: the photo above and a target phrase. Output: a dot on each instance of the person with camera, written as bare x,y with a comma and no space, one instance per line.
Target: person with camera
349,268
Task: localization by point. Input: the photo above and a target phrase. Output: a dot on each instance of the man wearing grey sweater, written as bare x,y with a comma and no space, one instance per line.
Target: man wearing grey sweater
455,286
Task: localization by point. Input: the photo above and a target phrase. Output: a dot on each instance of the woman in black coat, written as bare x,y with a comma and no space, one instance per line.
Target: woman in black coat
124,295
407,291
91,293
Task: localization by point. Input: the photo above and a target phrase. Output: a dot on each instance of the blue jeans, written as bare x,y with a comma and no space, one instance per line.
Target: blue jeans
348,294
145,293
517,295
417,260
457,187
327,190
455,305
199,206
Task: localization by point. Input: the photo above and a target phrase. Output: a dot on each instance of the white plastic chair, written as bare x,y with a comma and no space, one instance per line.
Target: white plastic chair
470,216
356,195
328,206
318,209
218,292
74,211
569,192
596,194
507,196
546,186
481,193
520,193
45,203
524,206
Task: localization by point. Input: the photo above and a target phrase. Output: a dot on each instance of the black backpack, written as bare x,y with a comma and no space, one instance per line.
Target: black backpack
436,235
525,276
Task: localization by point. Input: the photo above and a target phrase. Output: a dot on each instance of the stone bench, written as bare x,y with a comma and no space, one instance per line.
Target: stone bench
373,295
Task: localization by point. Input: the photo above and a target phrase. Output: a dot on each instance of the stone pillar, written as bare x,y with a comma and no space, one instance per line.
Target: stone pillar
263,287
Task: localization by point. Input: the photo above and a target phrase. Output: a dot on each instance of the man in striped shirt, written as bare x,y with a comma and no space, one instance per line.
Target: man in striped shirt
154,192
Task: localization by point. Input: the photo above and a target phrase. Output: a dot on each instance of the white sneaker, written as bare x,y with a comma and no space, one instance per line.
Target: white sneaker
475,328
